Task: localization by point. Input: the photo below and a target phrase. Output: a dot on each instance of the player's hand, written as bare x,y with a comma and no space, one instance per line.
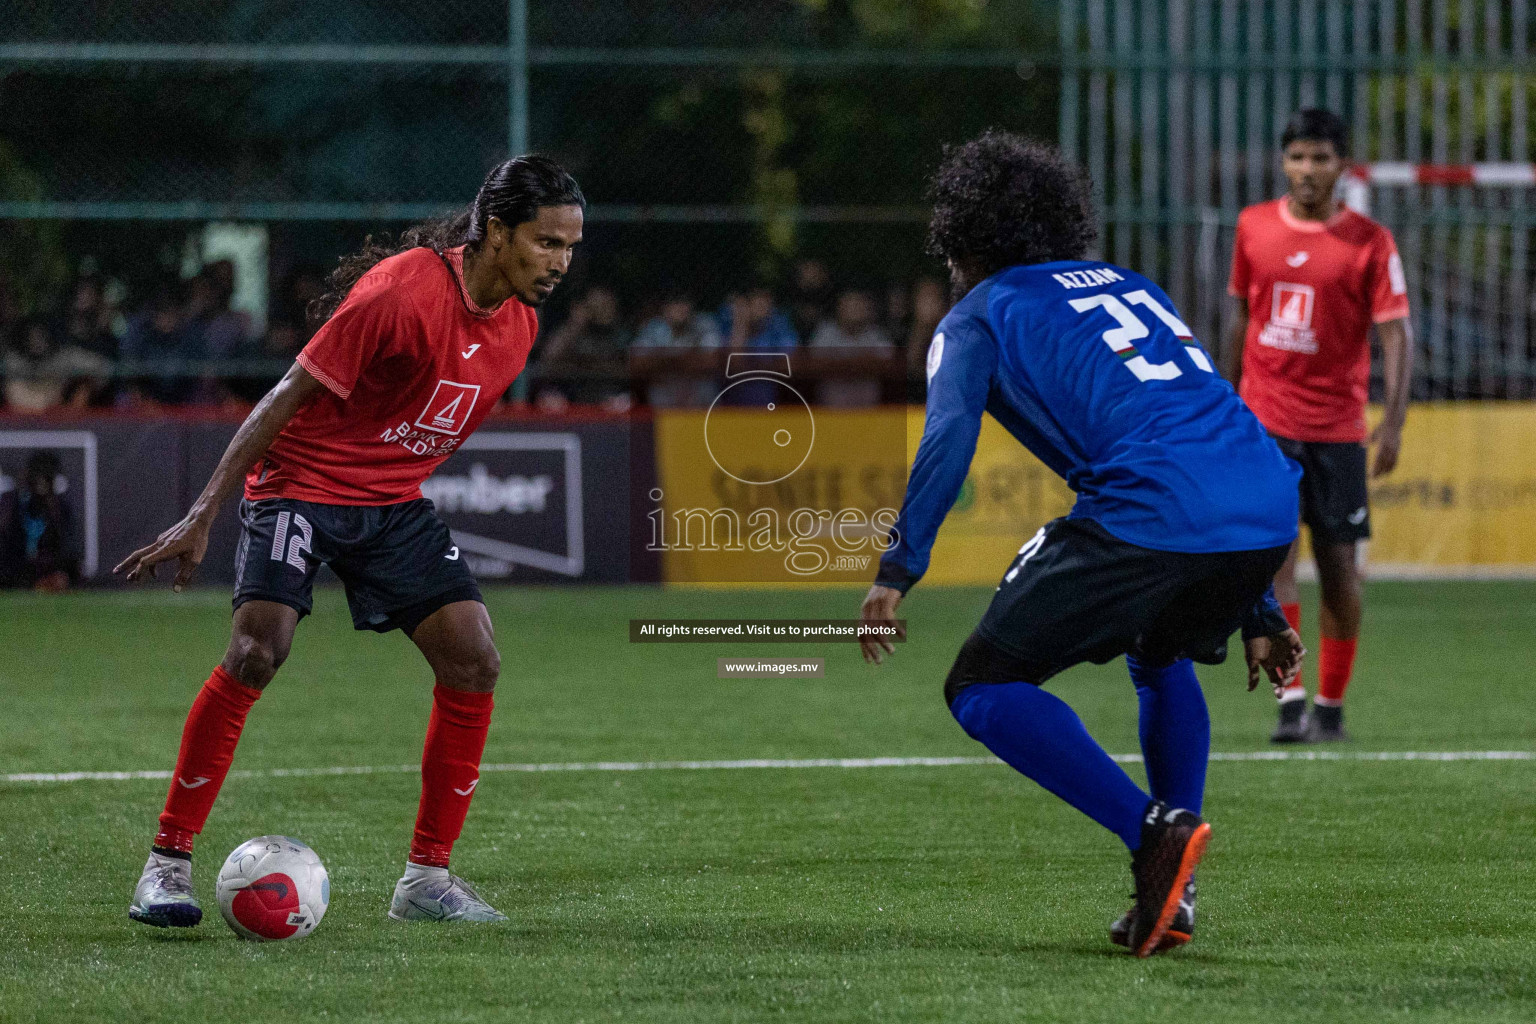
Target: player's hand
187,542
1389,443
1277,656
880,610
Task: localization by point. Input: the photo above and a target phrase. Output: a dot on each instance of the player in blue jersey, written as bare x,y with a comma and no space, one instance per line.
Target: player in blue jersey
1185,509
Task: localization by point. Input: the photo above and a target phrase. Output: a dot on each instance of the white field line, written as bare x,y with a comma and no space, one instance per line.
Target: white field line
814,762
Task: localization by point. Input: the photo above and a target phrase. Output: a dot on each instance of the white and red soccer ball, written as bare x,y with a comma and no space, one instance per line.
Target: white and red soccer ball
272,888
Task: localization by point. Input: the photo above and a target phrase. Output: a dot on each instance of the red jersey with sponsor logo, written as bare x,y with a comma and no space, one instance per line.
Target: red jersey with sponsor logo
411,368
1313,290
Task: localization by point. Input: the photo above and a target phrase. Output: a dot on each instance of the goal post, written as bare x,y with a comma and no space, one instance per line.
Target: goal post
1465,232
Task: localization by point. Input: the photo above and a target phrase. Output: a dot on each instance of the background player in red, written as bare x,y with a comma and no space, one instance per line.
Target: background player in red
1310,278
418,342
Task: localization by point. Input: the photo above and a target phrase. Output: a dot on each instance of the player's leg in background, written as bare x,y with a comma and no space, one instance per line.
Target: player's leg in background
1340,520
260,638
1338,573
1291,726
459,644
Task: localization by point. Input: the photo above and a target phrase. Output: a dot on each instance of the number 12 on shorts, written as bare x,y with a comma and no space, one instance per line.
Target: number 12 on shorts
292,549
1121,339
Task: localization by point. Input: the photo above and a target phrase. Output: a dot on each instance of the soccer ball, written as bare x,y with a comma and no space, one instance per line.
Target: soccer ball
273,887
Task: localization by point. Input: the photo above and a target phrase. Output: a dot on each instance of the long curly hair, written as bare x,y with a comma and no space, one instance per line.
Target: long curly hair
512,193
1001,200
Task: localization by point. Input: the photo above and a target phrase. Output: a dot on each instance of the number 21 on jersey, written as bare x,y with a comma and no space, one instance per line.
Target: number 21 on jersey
1121,339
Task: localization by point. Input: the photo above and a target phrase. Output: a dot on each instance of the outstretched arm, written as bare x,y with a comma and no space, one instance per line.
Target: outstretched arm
187,541
959,380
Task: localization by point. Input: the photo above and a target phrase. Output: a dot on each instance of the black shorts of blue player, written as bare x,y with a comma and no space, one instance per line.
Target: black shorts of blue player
1335,491
1076,593
398,562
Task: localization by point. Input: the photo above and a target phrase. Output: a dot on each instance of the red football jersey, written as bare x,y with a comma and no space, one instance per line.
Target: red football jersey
411,369
1313,290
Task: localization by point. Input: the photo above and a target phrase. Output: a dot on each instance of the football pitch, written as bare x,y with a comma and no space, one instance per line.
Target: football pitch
1335,890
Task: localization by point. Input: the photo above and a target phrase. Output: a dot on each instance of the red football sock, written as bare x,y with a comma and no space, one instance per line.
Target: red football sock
450,770
207,746
1335,663
1295,691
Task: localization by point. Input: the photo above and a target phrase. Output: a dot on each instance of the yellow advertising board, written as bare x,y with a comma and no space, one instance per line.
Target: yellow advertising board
1462,499
775,492
1008,495
1463,496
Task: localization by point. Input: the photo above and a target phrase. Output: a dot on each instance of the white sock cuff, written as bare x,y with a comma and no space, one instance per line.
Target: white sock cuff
413,871
1293,693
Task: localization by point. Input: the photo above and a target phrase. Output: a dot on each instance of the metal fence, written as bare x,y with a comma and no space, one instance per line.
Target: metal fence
1176,107
718,141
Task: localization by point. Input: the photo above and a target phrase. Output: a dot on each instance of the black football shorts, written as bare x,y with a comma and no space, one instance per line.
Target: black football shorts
398,562
1076,593
1334,491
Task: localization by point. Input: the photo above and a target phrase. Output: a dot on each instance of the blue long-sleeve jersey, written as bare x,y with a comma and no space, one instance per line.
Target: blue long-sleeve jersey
1089,367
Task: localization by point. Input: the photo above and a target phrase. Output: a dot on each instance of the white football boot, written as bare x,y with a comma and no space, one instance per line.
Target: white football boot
432,894
163,896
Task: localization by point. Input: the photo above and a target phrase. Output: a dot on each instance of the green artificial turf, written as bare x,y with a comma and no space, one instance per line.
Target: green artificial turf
1335,890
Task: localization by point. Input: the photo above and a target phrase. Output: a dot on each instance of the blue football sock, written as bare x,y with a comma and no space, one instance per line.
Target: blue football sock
1040,736
1175,731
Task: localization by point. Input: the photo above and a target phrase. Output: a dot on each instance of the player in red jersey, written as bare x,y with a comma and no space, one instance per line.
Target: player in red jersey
1310,278
417,344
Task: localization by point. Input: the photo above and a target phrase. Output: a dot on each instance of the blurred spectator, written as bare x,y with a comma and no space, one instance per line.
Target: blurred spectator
223,331
88,320
41,374
810,296
930,301
680,326
301,289
583,360
279,345
750,320
590,346
113,293
10,313
898,310
39,546
288,331
159,334
852,326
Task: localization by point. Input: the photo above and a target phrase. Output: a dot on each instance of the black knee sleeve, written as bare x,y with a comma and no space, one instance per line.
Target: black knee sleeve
982,661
